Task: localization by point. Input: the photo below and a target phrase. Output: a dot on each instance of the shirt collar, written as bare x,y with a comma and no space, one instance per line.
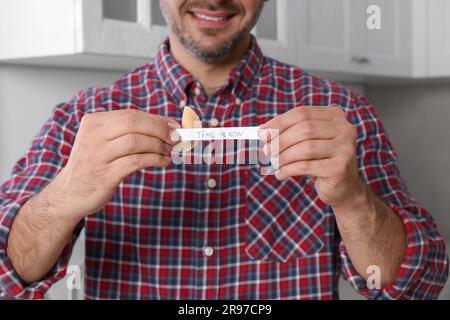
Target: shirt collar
176,79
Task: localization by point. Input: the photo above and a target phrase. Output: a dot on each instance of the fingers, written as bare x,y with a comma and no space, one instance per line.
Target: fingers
106,117
304,131
300,114
311,168
134,144
126,165
306,150
118,123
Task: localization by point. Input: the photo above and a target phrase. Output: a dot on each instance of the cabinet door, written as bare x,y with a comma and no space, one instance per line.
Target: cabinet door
327,38
275,31
399,47
128,28
439,38
334,36
30,29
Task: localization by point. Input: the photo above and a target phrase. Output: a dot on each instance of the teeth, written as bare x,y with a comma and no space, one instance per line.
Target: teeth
208,18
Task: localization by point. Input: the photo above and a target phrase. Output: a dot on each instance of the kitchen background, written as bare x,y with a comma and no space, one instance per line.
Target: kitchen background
50,49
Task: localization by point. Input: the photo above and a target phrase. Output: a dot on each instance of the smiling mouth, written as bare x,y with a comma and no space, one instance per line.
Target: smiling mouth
211,18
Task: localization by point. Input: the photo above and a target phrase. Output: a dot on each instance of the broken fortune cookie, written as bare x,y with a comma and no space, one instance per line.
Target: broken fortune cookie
190,120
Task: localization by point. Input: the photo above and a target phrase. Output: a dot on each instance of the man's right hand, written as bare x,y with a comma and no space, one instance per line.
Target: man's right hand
108,147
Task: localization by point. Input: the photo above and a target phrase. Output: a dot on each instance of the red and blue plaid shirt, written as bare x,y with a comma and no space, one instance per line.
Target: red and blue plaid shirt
169,234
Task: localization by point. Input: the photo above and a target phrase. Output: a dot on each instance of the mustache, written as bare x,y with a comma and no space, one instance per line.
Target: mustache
224,5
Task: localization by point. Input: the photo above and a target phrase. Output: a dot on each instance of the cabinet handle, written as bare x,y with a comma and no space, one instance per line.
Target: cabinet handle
361,60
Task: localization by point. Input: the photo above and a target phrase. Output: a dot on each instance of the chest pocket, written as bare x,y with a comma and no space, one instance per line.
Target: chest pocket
283,218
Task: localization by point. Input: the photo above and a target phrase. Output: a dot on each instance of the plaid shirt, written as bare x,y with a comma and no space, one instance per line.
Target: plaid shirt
194,231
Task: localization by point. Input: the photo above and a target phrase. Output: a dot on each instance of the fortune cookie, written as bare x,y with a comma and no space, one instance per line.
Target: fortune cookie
190,120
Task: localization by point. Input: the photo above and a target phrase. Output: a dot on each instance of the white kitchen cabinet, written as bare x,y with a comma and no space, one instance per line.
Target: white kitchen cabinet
439,38
109,29
323,36
326,38
274,30
111,34
399,48
334,37
80,33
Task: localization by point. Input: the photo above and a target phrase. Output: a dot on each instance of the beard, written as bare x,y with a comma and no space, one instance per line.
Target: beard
212,55
197,48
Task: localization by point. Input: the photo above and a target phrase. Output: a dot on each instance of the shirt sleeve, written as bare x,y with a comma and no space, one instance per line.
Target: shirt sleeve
47,155
424,268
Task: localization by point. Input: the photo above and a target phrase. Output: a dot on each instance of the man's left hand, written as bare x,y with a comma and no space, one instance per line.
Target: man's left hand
318,142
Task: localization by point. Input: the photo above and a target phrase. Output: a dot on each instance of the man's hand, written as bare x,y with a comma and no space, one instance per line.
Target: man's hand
320,143
110,146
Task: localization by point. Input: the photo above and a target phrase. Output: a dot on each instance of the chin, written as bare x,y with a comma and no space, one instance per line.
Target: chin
211,45
213,39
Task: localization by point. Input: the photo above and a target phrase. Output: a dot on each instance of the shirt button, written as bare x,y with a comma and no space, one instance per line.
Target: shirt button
197,91
208,251
183,104
214,122
212,183
238,102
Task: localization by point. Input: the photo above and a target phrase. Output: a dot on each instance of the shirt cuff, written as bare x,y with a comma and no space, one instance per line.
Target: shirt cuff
11,285
409,276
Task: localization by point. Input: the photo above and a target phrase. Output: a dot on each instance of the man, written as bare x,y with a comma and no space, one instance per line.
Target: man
155,230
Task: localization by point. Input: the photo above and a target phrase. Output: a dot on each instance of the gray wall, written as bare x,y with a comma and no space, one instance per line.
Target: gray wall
415,116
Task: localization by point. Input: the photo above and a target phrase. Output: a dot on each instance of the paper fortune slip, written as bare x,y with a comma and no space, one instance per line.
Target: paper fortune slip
192,133
209,134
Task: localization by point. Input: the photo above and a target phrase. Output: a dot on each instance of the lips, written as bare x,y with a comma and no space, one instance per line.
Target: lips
208,18
211,19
